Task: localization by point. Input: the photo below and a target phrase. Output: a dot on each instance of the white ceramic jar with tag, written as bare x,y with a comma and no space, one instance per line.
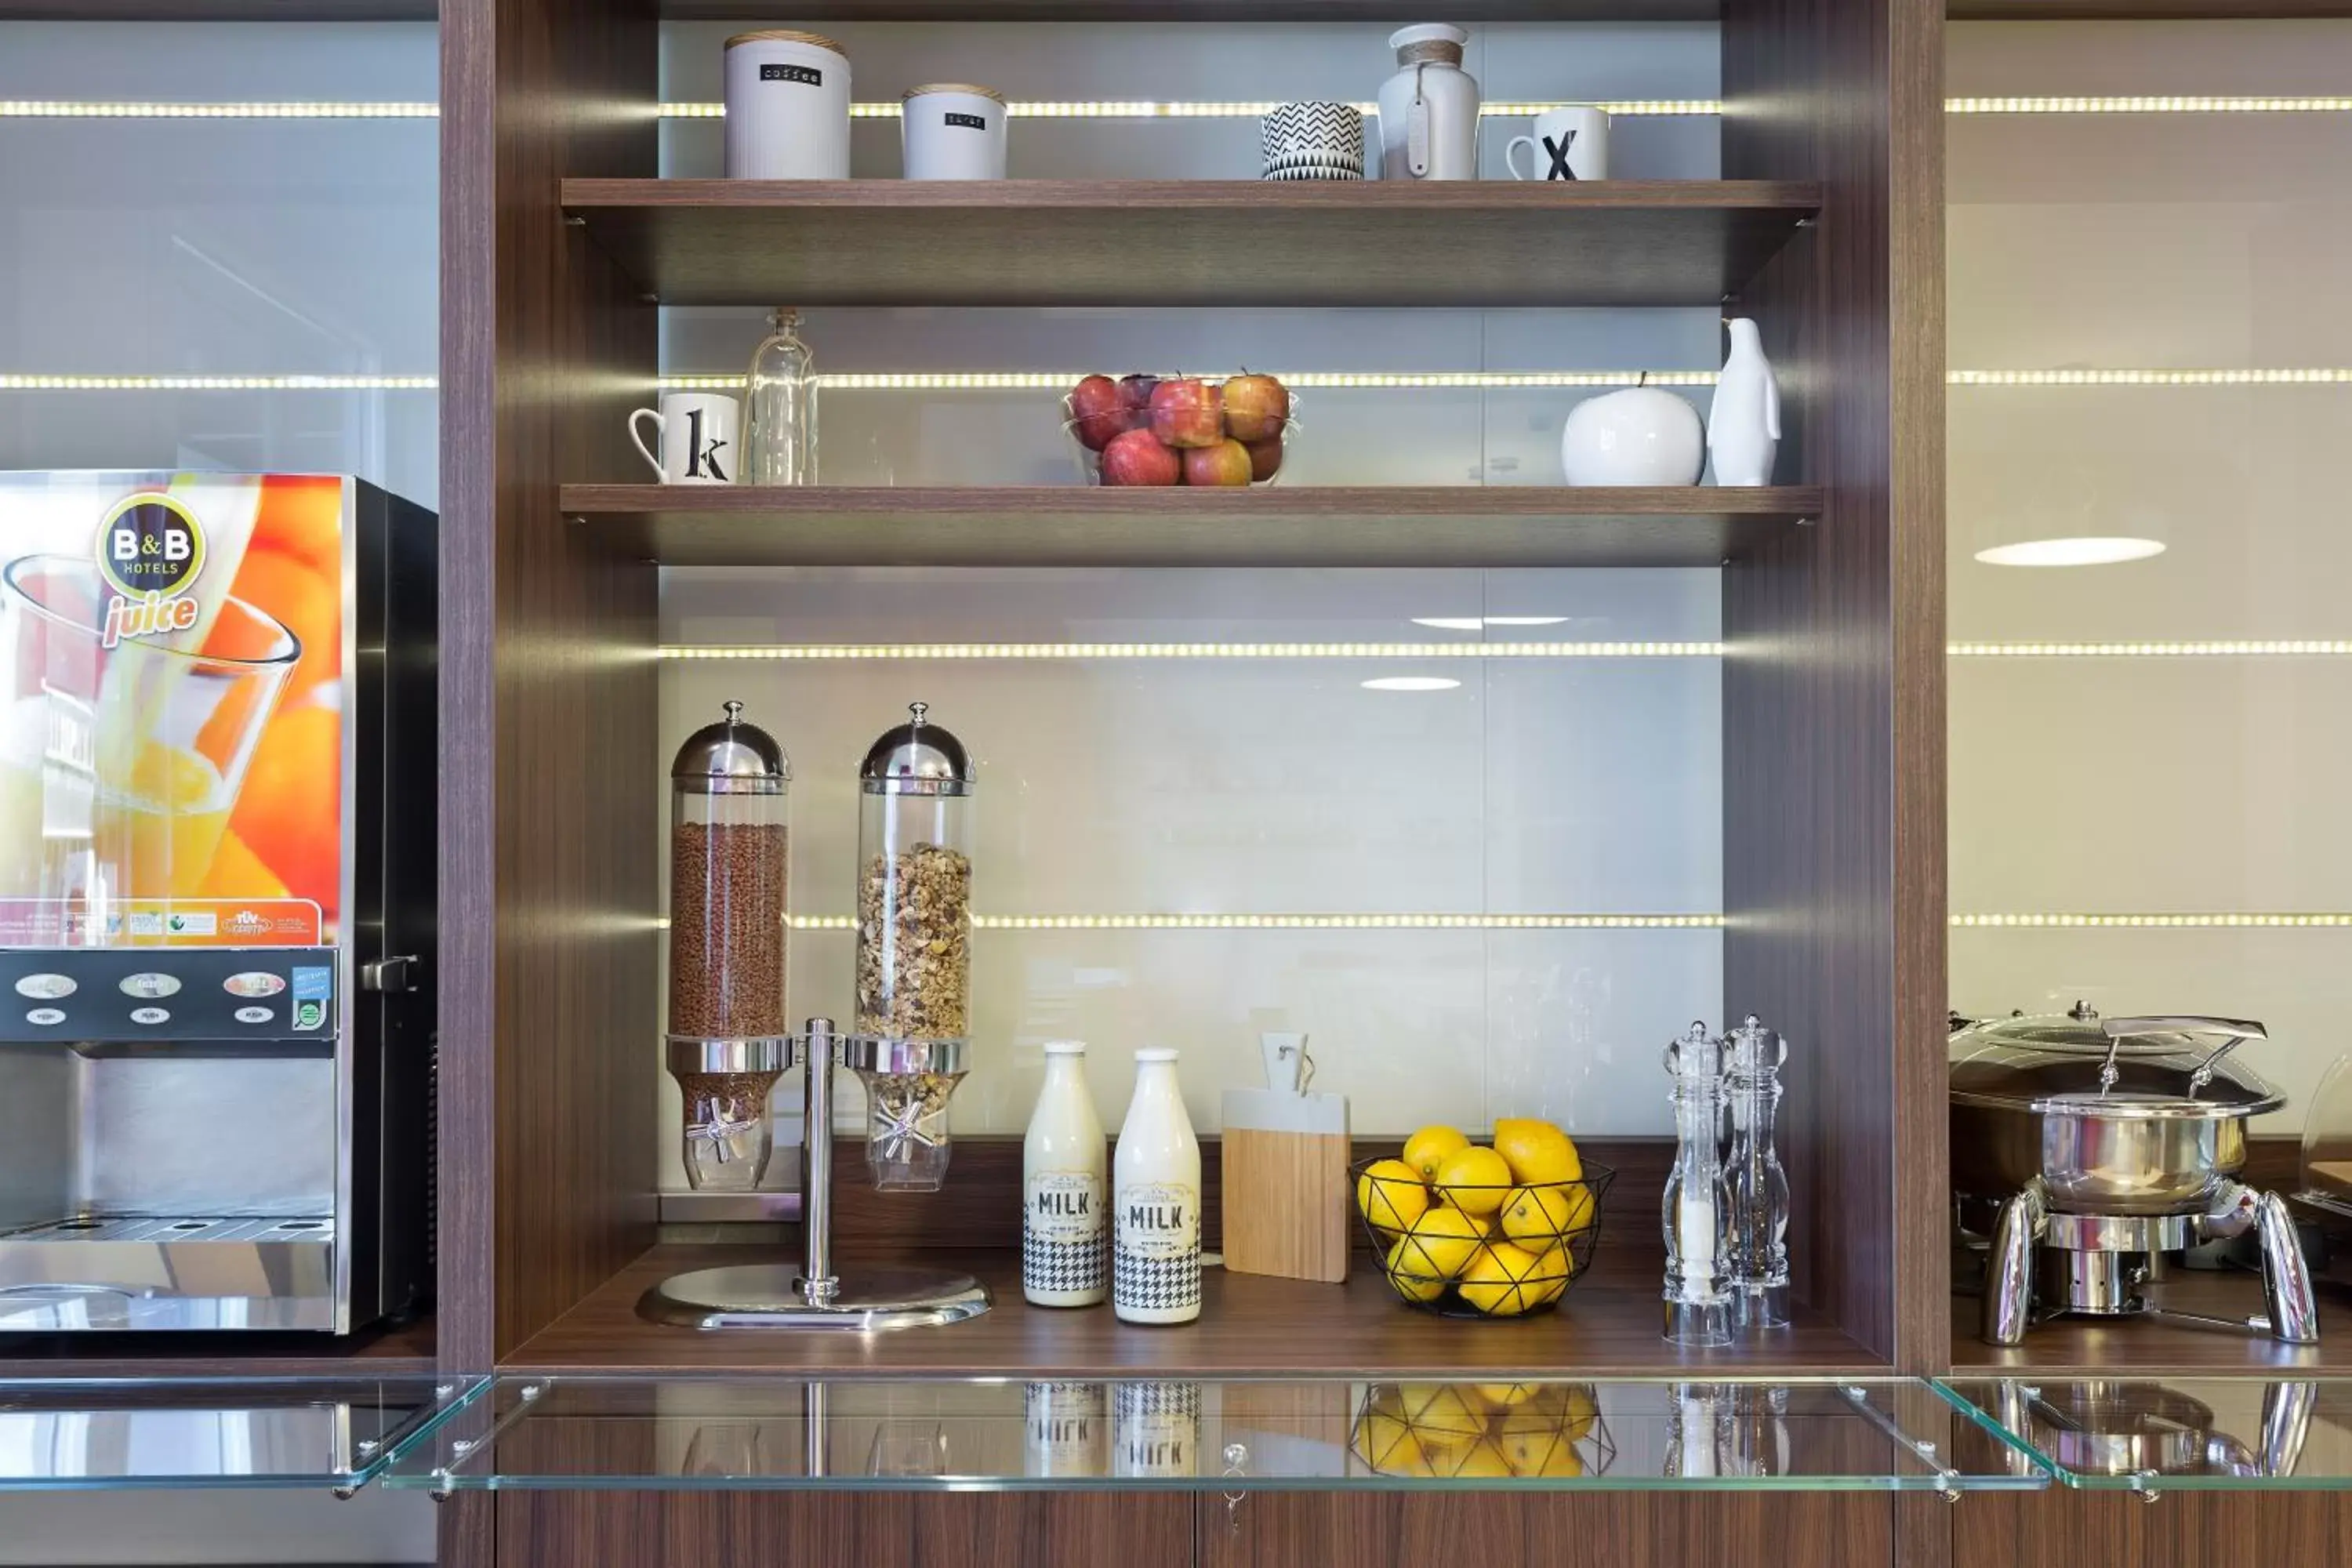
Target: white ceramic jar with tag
1429,110
787,107
953,131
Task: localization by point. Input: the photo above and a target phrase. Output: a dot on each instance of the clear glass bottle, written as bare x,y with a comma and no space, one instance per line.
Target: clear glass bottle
1696,1304
780,408
1064,1169
914,945
729,850
1758,1229
1156,1201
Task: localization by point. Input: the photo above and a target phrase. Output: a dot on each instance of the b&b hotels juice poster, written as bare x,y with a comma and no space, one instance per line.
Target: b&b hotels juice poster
171,757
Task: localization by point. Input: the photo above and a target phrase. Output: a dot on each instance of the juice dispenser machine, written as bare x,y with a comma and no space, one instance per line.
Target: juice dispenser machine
217,867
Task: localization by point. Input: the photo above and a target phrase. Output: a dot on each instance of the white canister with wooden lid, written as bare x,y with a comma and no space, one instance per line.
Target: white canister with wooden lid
787,107
953,131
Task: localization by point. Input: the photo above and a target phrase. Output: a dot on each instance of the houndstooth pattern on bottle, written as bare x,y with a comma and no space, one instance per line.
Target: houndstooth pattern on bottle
1059,1265
1138,1400
1155,1283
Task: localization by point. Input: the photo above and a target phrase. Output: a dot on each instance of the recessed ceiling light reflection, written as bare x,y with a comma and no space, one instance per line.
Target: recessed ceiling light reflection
1411,683
1527,620
2084,552
1451,623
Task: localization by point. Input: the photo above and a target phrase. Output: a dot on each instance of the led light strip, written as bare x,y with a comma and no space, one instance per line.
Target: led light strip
2176,105
9,382
2253,377
2149,923
819,652
30,109
1213,108
1300,922
1063,380
2305,648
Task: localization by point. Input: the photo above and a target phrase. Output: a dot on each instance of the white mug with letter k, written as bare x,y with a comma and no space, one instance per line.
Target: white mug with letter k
697,432
1571,143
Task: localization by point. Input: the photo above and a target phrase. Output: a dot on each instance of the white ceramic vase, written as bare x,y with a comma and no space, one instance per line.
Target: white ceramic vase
1743,422
1641,436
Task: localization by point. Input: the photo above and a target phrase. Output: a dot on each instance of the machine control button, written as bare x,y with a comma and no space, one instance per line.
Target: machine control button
150,1016
45,987
254,983
150,985
253,1014
45,1016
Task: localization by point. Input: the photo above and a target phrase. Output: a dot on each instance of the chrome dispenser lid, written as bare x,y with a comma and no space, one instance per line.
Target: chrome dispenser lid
731,757
917,758
2142,1067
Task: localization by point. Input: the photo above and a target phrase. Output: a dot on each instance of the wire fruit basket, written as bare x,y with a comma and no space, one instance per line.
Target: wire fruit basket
1508,1251
1493,1430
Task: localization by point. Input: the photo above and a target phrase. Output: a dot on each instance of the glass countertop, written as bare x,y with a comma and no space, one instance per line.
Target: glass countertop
639,1433
2171,1434
88,1434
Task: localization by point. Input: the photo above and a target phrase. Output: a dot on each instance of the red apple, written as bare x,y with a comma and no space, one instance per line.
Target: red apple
1137,457
1266,458
1226,463
1187,413
1135,397
1256,407
1094,413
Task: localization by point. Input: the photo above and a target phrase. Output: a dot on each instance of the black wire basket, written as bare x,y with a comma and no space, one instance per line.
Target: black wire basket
1482,1430
1504,1251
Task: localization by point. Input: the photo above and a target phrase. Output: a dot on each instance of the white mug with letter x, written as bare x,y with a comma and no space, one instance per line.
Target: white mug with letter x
1571,143
696,431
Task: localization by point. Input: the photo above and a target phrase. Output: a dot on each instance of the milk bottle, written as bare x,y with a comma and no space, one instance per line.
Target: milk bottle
1156,1202
1063,1203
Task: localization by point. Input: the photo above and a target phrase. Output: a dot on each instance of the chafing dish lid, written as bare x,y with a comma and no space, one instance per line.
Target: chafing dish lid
2169,1065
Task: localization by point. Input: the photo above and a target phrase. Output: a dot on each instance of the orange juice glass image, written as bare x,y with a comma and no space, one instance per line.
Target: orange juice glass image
119,766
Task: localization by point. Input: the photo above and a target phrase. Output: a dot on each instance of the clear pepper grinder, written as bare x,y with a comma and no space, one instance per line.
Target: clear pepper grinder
1758,1228
1697,1307
780,408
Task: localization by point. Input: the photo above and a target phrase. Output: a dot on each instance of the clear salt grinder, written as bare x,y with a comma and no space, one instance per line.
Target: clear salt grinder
1758,1231
1697,1306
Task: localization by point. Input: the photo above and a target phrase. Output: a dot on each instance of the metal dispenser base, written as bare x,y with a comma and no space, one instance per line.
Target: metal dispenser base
777,1295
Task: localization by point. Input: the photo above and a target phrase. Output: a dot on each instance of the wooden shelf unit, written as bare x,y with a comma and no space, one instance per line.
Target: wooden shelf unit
218,10
1072,525
1195,10
1466,244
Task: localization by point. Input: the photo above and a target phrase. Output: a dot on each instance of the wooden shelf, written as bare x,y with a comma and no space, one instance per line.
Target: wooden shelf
404,1350
219,10
1249,1326
2089,1347
1069,243
1075,525
2140,10
1197,10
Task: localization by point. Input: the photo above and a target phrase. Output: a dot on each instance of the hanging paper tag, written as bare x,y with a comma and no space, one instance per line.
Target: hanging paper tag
1416,139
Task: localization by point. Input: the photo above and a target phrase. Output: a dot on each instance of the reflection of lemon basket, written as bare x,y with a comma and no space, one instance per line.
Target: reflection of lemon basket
1507,1251
1496,1431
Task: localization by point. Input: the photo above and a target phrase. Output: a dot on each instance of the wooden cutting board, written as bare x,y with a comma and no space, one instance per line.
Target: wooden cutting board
1287,1205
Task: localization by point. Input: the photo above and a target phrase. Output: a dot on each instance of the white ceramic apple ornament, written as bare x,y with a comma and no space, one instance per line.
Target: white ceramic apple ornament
1641,436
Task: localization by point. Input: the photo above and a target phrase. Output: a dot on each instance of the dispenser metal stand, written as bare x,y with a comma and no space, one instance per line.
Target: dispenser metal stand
776,1295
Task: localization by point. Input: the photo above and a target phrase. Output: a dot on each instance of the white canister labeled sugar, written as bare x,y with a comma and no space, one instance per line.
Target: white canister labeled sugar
953,131
787,107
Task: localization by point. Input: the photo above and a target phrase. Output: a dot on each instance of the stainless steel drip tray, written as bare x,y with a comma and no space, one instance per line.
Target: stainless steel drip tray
150,1272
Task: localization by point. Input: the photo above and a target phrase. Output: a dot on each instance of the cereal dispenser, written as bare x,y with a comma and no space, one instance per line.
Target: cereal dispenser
728,853
914,947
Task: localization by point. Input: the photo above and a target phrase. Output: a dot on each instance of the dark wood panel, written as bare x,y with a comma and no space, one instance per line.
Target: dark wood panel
218,10
394,1351
2139,10
2061,1529
1281,526
1250,1325
757,1530
1195,10
548,831
1519,1529
1385,243
1833,702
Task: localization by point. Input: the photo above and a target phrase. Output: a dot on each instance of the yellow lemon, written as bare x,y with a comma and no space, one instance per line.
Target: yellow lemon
1503,1395
1484,1461
1412,1273
1386,1443
1581,1207
1427,1149
1581,1411
1554,1268
1441,1414
1536,1217
1538,1153
1391,1195
1473,1180
1494,1282
1438,1245
1548,1451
